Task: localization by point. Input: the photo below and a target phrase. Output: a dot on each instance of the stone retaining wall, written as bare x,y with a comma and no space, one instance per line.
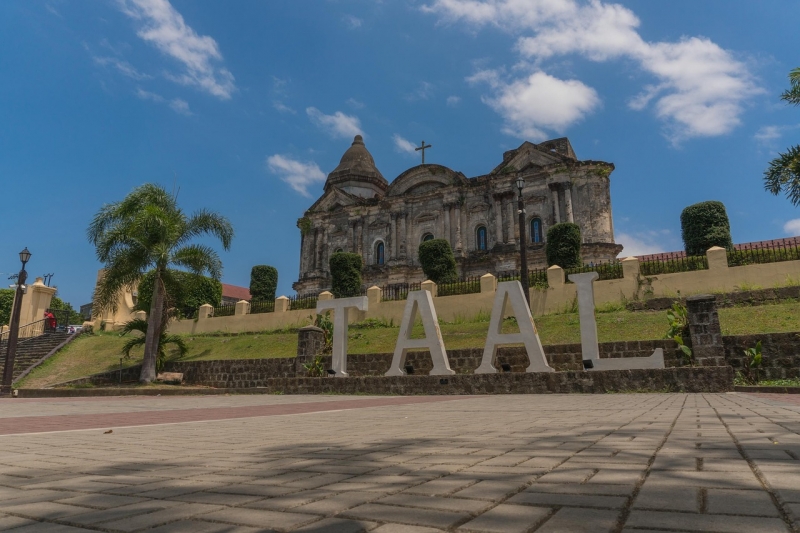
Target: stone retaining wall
728,299
780,353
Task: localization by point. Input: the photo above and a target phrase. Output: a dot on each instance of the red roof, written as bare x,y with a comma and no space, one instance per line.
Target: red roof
233,291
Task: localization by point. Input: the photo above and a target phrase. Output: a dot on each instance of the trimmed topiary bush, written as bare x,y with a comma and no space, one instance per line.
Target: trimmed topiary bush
184,291
438,263
345,274
705,225
263,282
563,246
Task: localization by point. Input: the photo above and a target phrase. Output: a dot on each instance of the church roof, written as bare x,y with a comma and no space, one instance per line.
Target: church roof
356,164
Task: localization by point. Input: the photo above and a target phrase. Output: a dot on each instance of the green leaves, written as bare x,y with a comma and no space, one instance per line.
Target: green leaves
563,246
678,318
783,175
752,363
704,225
437,261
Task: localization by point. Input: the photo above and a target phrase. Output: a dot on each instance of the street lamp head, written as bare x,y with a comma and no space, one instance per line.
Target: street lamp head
24,256
520,183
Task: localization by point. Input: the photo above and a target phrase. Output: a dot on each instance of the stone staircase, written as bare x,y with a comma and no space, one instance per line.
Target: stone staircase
29,351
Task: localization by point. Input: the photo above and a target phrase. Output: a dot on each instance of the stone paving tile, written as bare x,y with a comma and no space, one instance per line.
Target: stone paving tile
338,525
507,519
419,517
9,522
395,467
571,520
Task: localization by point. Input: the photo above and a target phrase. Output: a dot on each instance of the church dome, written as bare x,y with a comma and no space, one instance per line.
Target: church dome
357,173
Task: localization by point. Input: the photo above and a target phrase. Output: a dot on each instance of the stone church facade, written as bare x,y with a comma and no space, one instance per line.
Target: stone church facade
360,212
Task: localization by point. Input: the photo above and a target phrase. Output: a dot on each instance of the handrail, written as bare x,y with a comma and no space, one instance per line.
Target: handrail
34,329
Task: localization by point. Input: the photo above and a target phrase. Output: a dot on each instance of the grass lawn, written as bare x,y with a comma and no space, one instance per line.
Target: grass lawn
90,354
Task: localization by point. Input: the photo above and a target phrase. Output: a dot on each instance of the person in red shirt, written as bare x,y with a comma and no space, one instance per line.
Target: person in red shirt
51,320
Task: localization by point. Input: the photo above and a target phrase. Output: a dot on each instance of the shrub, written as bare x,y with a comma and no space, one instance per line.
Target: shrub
705,225
345,274
563,246
184,290
73,316
6,302
438,263
263,282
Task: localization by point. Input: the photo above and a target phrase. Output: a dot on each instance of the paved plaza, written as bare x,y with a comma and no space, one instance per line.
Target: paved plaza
343,464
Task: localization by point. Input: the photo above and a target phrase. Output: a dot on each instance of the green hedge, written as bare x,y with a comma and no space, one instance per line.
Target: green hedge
705,225
263,282
6,303
438,263
563,246
345,274
184,289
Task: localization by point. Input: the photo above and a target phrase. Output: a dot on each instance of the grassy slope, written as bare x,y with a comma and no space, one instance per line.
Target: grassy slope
99,353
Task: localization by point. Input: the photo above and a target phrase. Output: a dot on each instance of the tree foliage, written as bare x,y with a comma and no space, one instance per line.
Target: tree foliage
6,303
563,245
345,274
183,290
59,304
783,173
263,282
704,225
137,324
437,261
145,231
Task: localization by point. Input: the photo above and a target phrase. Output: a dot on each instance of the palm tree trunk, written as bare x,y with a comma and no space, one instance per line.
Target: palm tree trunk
153,331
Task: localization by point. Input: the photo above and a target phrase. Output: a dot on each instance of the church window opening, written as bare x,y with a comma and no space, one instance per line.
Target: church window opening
536,230
480,238
339,250
427,237
379,254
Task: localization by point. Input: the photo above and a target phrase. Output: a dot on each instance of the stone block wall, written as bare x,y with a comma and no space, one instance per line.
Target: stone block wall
780,353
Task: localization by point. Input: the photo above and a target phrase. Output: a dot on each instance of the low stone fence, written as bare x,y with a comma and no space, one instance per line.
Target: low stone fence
559,296
727,299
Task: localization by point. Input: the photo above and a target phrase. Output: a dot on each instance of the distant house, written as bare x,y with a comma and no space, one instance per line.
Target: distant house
232,294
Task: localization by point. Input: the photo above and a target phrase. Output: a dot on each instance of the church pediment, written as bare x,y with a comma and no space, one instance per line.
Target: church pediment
530,155
334,199
424,179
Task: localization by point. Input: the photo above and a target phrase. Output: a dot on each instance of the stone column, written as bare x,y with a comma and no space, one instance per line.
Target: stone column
317,248
392,237
498,221
403,234
302,254
447,224
364,242
324,247
568,202
360,238
556,210
512,214
458,246
706,334
352,235
310,342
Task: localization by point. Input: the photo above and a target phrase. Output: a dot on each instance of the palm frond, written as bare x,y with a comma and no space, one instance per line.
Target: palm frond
792,95
132,343
206,222
137,324
177,341
783,175
198,259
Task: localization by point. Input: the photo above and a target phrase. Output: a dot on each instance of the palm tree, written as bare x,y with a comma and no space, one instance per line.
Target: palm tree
137,324
148,231
783,173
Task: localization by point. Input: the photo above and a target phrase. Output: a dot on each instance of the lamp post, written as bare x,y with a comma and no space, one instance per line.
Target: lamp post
523,257
13,332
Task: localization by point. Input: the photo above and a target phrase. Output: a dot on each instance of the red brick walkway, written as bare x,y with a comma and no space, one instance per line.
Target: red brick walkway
43,424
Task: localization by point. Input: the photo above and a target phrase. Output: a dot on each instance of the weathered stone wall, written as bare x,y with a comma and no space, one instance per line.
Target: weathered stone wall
726,299
780,353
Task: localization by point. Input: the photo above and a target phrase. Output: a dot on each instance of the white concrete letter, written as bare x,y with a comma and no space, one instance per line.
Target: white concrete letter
341,307
590,348
420,302
511,292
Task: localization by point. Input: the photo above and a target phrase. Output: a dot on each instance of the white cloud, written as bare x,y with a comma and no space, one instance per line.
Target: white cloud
283,108
123,67
352,22
701,88
537,103
337,125
767,134
641,244
180,106
355,104
162,26
453,101
298,174
423,92
147,95
403,145
792,227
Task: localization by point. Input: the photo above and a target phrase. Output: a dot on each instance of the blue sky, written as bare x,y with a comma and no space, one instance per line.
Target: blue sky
244,107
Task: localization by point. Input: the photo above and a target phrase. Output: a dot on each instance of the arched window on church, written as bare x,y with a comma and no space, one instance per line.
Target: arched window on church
379,254
338,251
427,237
480,238
536,230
